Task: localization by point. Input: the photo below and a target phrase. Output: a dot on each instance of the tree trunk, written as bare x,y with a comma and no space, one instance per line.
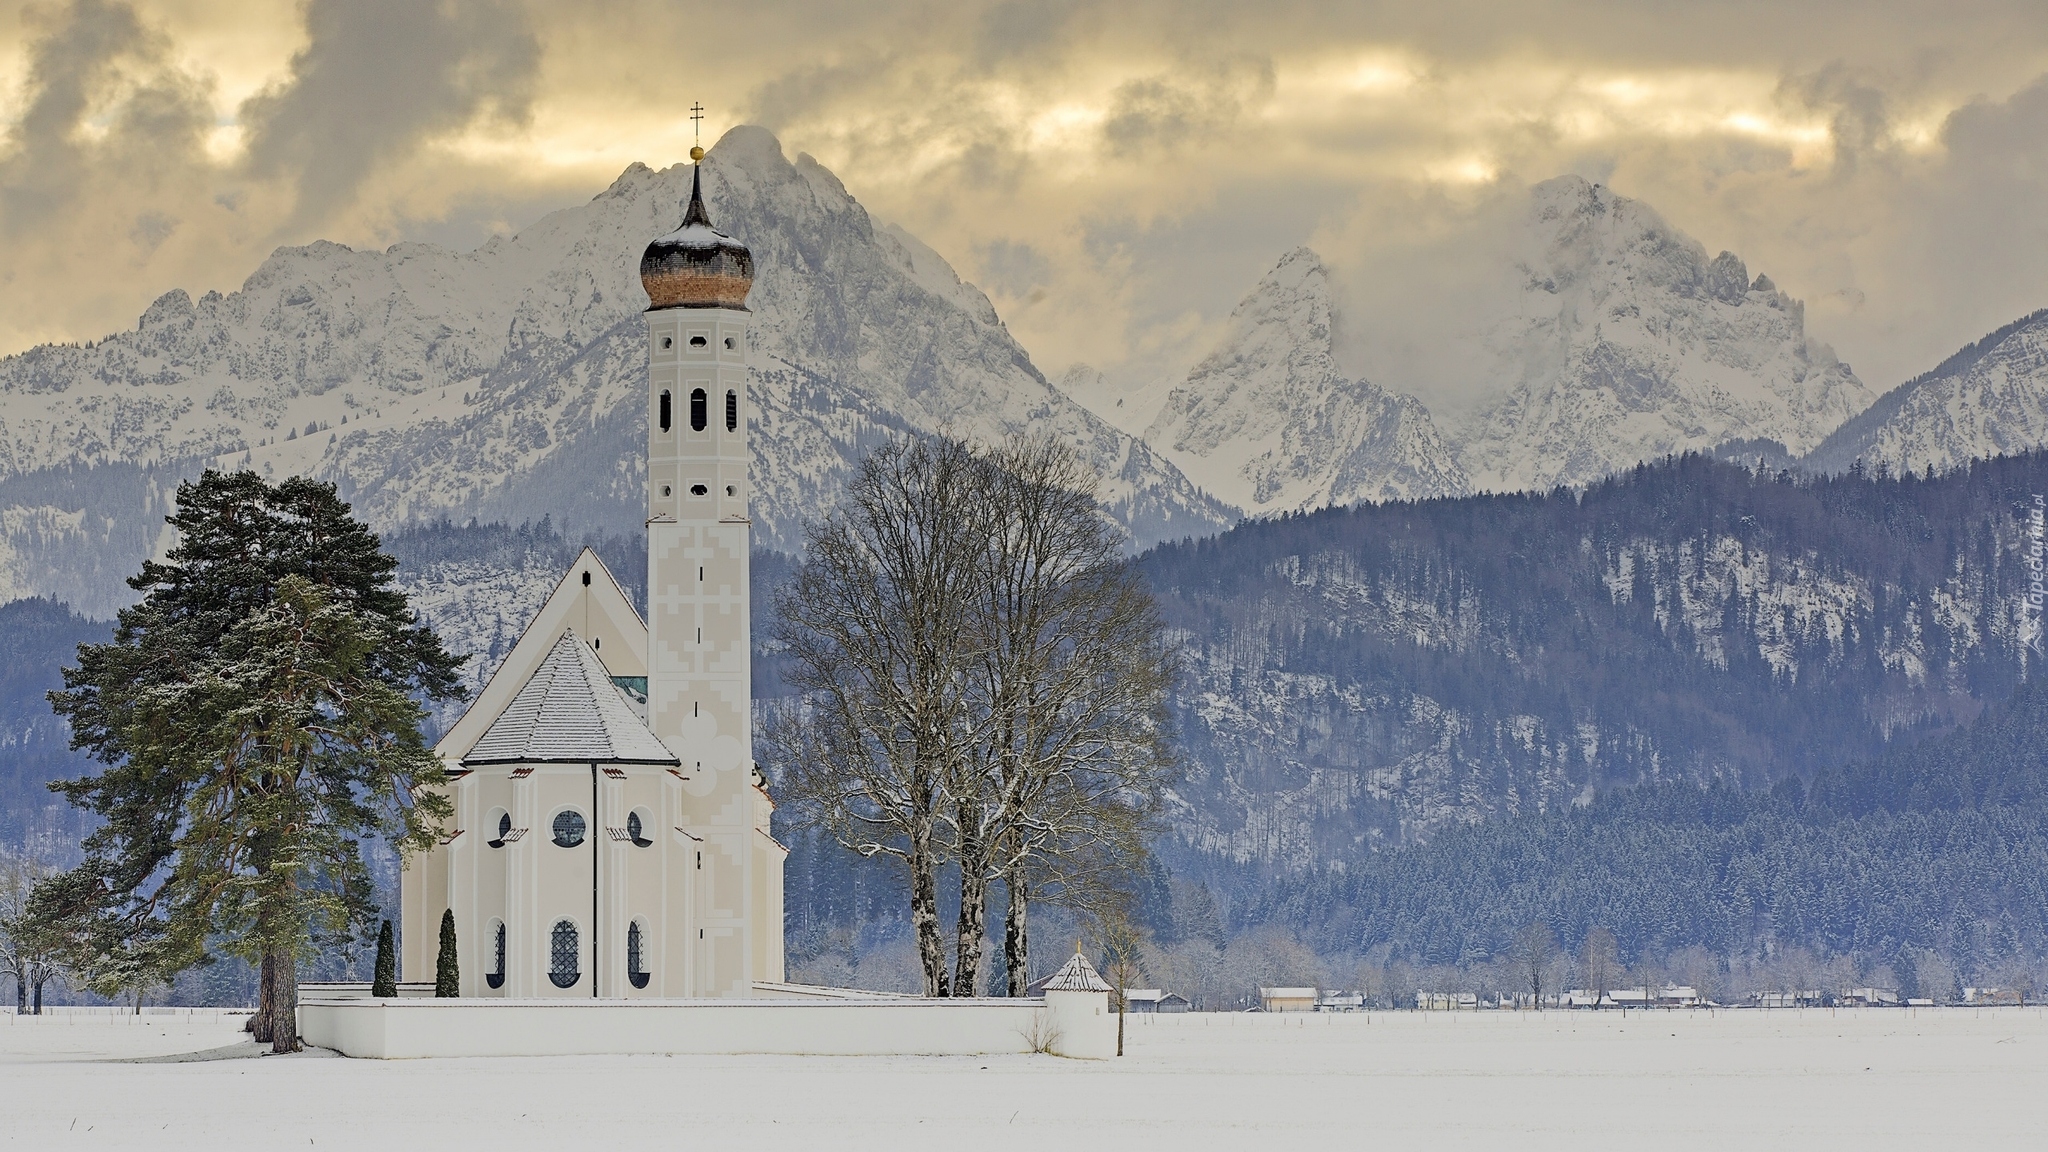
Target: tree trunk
259,1024
924,912
282,975
20,994
1016,946
973,923
39,996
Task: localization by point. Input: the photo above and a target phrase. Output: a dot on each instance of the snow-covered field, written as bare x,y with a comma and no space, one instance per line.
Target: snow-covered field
1952,1078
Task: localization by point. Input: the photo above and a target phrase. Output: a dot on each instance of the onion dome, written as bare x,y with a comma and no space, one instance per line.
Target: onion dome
697,266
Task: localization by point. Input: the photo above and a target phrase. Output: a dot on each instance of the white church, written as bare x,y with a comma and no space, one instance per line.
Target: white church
614,883
611,826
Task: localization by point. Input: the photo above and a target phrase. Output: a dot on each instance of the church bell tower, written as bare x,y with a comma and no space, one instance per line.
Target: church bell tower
699,694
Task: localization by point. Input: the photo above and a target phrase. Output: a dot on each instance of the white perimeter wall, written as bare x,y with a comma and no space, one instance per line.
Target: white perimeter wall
1075,1024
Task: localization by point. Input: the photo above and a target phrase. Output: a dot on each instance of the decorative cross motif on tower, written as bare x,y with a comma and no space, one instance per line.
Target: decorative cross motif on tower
697,130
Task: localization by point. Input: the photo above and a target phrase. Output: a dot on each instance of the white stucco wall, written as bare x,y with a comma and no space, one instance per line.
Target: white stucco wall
1071,1024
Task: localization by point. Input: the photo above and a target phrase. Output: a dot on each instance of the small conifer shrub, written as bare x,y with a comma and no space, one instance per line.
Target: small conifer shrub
385,980
447,977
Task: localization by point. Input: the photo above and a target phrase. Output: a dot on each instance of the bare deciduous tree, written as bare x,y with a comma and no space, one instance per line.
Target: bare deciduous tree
1598,964
1534,954
29,951
878,635
983,683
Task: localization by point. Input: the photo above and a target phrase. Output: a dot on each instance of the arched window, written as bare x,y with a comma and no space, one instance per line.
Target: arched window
568,828
732,411
664,409
496,976
636,829
500,827
636,958
699,405
562,948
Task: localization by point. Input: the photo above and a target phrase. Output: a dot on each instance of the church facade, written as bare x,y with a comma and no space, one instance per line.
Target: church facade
611,830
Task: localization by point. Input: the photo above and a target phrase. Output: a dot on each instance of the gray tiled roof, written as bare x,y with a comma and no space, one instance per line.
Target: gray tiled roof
569,711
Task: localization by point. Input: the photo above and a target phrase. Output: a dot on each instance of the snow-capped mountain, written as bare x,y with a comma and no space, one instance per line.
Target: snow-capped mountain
1269,423
1989,399
507,382
1626,343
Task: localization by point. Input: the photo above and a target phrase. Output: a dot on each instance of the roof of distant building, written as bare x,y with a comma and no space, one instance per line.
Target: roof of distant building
570,712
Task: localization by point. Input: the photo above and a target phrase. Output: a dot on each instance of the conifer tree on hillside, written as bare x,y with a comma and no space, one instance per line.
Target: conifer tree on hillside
258,713
384,980
447,974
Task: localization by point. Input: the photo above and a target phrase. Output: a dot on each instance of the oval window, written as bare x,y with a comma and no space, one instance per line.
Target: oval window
496,976
699,409
731,343
668,342
568,828
500,824
699,490
636,829
563,944
696,341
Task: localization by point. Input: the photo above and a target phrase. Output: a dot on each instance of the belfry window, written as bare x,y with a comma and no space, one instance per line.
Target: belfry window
664,410
698,405
568,828
636,959
496,976
732,411
562,948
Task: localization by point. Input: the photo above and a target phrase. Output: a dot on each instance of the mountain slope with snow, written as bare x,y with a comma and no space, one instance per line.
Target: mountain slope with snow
1988,399
508,382
1626,343
1269,423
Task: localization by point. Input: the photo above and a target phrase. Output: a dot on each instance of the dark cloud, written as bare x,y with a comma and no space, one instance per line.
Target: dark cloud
97,61
380,77
1164,112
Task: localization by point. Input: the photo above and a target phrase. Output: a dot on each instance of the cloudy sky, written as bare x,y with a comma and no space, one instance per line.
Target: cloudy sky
1115,175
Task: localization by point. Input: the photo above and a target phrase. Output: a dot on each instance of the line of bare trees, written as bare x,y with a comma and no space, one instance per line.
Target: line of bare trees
981,688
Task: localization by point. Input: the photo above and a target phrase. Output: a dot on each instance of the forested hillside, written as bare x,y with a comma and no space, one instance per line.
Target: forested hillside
1930,861
1366,677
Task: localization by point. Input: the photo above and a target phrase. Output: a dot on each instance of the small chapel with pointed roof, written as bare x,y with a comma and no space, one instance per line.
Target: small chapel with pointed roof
611,832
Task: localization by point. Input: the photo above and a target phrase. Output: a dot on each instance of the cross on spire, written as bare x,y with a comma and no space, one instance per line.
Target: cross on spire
697,130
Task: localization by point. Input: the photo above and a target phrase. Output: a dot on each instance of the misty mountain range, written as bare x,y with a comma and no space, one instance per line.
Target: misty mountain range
1384,654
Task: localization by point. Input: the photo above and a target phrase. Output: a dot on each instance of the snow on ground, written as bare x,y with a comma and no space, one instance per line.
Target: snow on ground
1869,1079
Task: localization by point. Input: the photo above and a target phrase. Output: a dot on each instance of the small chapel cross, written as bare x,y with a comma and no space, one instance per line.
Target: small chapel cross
697,129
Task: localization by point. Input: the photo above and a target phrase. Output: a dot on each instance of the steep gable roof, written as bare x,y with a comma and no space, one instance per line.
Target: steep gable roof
569,711
1078,975
599,611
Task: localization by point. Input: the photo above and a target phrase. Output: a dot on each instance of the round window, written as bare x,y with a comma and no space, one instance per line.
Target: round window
568,828
637,822
500,824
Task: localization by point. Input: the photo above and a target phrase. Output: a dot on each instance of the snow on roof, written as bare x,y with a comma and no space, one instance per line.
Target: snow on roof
1287,993
569,711
1076,976
1141,995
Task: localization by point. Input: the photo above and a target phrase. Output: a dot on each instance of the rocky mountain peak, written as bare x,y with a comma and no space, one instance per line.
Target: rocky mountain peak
1268,422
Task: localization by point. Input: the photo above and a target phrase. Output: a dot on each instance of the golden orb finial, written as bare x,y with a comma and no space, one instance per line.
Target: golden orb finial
696,155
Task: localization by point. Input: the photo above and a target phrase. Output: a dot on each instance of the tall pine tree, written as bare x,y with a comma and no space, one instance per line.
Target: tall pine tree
258,713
